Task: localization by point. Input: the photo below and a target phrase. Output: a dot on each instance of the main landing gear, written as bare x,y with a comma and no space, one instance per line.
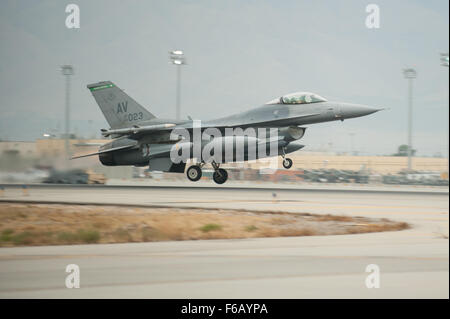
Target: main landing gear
287,162
220,175
194,173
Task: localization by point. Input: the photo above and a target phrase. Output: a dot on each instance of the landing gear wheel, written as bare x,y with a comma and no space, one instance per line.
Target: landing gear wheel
220,176
287,163
194,173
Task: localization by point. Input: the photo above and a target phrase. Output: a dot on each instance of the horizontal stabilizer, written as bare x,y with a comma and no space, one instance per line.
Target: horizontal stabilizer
104,151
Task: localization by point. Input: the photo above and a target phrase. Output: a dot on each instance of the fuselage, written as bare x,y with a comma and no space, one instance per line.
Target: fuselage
281,115
139,138
275,114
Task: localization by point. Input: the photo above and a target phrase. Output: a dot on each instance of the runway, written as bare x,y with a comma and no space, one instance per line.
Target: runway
412,263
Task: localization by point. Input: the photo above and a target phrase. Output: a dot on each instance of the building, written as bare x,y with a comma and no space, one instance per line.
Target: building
375,164
19,148
51,147
51,152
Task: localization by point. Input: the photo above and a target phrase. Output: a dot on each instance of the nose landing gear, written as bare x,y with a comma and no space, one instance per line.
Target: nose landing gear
287,162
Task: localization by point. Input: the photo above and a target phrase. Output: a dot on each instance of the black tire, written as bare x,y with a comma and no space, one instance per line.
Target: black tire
287,163
220,178
194,173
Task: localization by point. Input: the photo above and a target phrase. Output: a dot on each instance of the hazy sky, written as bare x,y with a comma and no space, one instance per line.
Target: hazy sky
240,54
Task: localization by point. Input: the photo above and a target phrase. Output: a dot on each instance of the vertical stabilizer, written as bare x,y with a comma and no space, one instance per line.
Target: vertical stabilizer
119,109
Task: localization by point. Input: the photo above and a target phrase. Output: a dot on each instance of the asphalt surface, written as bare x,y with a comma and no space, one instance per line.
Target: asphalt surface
413,263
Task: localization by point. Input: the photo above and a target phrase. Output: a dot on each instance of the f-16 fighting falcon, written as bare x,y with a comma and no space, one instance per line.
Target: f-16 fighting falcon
139,138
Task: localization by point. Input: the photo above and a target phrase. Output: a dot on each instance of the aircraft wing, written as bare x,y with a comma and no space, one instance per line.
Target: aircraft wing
226,123
136,132
286,121
88,144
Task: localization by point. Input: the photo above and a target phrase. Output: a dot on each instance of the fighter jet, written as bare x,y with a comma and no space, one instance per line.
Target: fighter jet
139,138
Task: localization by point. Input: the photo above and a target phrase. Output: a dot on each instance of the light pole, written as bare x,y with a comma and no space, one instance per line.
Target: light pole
352,150
444,59
410,74
67,71
445,62
178,59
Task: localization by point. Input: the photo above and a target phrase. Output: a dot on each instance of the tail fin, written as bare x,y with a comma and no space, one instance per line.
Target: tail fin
119,109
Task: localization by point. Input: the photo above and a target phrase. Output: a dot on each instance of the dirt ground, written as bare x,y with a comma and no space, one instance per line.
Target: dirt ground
53,224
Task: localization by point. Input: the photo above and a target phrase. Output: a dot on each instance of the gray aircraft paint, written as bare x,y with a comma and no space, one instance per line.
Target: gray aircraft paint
153,147
119,109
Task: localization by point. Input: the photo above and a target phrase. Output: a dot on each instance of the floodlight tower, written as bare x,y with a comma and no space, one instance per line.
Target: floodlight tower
444,59
445,62
178,59
67,71
410,74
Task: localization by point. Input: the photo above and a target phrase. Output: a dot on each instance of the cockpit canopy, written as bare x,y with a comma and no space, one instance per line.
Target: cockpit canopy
298,98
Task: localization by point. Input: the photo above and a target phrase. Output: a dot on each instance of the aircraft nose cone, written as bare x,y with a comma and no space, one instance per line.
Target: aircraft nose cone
357,110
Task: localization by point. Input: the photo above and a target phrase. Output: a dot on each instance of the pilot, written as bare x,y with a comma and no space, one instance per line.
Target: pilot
307,98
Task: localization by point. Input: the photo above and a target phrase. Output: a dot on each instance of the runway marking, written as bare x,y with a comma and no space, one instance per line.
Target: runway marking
233,201
229,279
201,255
